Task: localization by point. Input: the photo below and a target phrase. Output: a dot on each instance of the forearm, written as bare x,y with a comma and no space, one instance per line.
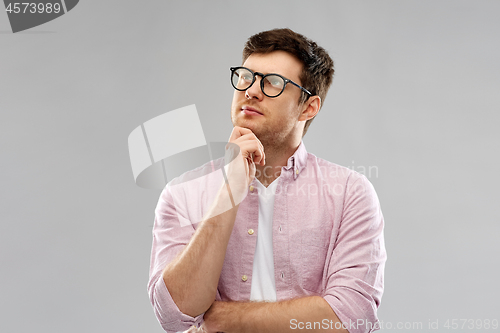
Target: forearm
262,317
193,276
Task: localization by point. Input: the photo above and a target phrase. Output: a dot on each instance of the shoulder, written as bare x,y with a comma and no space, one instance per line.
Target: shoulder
339,179
332,171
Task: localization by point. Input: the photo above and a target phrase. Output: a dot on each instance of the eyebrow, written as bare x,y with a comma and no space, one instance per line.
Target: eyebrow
285,76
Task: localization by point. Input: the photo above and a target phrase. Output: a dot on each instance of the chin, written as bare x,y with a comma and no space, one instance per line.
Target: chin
242,122
246,124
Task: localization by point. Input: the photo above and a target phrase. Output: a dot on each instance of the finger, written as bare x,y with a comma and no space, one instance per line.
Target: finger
252,150
237,132
241,141
240,135
248,137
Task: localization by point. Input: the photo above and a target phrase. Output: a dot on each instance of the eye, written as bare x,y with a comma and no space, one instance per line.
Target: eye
274,81
244,75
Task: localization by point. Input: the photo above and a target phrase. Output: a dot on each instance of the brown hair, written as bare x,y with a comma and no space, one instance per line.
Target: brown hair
317,73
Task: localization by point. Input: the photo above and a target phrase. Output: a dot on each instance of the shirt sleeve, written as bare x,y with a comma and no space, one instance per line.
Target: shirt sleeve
171,232
355,273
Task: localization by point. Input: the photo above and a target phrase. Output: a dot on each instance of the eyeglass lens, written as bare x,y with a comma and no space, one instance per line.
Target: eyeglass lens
272,85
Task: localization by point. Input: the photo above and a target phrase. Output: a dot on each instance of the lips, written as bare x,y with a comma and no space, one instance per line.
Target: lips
251,111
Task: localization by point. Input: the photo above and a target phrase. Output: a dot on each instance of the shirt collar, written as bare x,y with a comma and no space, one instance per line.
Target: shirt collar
297,162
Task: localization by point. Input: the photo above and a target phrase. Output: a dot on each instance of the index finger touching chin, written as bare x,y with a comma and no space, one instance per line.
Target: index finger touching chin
239,131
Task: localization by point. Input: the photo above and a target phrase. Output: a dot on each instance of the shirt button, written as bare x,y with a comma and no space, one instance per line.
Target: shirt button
251,188
250,231
297,171
244,278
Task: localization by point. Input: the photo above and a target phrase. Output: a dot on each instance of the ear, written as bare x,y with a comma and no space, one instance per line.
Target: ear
310,108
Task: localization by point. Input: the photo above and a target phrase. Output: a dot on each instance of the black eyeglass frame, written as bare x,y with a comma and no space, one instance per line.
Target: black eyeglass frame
263,76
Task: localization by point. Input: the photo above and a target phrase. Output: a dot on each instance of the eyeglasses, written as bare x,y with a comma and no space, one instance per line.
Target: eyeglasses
272,85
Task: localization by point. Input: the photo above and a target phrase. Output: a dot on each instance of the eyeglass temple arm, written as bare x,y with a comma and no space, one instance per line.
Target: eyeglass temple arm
301,88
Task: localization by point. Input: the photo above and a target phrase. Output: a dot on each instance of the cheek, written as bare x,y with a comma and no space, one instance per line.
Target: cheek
290,110
238,96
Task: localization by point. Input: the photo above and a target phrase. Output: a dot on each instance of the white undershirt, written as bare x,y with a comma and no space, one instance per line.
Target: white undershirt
263,283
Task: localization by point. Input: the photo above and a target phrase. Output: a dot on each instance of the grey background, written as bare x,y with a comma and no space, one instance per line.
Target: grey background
415,95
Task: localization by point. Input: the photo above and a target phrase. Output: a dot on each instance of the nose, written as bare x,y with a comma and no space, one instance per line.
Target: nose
255,92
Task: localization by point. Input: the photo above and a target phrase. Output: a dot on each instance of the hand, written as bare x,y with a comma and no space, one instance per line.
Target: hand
241,171
194,329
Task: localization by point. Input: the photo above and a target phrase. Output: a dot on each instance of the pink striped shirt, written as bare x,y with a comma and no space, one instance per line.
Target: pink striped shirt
327,238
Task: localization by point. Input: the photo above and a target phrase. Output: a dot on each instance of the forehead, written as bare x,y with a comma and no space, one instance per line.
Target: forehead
279,62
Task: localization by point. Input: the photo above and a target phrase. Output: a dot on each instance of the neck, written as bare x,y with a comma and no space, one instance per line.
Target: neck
276,158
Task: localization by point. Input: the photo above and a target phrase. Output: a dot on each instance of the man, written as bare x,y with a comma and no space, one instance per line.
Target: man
301,245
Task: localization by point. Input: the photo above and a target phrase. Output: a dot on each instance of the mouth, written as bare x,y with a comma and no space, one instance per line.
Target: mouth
247,110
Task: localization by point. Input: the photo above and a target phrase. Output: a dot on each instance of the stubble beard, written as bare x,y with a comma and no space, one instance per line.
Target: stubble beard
273,137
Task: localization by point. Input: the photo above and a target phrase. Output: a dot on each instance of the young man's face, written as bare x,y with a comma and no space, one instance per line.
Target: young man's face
278,120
